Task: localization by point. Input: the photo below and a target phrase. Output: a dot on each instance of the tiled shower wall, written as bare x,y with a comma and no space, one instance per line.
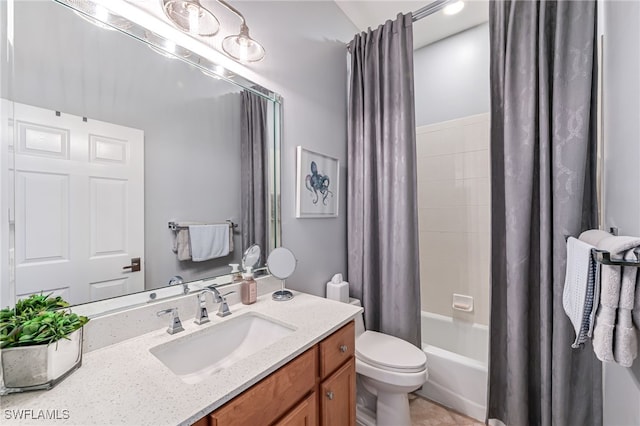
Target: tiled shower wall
454,215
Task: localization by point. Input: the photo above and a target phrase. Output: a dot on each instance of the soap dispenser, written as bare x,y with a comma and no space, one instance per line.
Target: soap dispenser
235,273
248,288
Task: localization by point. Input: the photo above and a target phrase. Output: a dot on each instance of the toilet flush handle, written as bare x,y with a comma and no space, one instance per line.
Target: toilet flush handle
330,395
343,348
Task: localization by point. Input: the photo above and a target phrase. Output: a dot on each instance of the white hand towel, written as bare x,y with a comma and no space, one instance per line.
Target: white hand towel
209,241
181,244
577,296
625,348
611,282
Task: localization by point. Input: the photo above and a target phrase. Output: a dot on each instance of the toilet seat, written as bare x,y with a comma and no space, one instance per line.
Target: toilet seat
389,353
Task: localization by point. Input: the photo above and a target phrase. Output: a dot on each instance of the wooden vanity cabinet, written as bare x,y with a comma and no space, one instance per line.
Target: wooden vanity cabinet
316,388
303,414
337,390
338,397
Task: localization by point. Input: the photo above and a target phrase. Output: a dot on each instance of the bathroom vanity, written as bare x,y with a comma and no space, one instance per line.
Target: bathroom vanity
304,377
317,387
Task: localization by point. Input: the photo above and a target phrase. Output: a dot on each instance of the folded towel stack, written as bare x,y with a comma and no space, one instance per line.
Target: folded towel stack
616,307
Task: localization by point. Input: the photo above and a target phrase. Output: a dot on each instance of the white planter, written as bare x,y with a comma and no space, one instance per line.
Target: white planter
42,366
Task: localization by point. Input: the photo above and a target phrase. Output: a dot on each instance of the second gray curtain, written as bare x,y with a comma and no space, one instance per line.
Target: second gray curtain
543,152
253,151
382,219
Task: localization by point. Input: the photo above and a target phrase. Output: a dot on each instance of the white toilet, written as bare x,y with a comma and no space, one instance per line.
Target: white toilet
389,368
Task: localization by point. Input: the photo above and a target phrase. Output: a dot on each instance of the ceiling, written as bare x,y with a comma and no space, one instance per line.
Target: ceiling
371,13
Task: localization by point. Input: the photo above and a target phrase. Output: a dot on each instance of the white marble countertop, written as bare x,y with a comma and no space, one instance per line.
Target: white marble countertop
124,384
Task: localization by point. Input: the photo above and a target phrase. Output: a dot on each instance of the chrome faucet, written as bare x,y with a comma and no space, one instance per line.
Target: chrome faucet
202,316
175,326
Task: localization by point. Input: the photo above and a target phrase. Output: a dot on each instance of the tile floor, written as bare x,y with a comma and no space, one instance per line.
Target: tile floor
427,413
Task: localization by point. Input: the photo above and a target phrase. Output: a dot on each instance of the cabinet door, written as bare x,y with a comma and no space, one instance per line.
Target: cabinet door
202,422
273,397
304,414
338,397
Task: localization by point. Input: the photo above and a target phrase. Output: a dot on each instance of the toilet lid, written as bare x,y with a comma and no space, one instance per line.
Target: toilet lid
389,353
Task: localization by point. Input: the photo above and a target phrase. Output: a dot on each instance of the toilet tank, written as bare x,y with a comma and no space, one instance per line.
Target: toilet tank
359,319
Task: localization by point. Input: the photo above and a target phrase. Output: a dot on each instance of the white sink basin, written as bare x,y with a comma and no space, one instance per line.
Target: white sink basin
202,353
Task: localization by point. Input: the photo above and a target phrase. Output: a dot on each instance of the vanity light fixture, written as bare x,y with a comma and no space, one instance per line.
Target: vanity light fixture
190,16
241,46
166,48
99,16
453,8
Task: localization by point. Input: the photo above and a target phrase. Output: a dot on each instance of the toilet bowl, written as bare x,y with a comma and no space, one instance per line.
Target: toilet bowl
388,368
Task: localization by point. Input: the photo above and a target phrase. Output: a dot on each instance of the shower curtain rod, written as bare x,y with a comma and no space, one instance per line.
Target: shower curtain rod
429,9
423,12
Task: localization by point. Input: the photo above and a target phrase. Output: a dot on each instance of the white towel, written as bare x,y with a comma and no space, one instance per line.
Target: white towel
625,347
209,241
578,293
181,244
611,282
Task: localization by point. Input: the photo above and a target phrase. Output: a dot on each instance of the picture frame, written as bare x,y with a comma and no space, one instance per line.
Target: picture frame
317,184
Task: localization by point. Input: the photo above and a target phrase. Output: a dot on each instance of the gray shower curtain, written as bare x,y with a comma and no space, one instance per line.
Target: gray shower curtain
253,152
382,219
543,81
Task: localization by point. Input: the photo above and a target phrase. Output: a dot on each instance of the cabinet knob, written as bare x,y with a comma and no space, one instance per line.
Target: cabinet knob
330,395
343,348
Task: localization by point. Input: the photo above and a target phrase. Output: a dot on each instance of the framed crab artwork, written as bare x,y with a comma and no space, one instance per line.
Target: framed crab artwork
317,184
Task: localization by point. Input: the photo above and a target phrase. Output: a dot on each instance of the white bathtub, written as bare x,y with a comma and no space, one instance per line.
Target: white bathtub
457,354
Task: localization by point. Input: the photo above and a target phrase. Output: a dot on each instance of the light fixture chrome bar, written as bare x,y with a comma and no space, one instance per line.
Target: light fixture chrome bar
429,9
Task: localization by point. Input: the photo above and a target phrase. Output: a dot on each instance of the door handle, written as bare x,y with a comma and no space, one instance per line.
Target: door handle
135,265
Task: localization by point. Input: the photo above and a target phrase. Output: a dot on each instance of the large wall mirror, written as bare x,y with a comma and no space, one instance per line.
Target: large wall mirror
114,142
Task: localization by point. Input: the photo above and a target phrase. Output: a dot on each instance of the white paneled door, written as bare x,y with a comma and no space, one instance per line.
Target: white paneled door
79,205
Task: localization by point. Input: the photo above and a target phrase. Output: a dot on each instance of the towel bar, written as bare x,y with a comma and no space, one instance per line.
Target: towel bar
604,257
174,226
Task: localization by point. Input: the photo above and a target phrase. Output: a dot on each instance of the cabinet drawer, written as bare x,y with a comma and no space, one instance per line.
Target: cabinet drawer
270,399
303,414
336,349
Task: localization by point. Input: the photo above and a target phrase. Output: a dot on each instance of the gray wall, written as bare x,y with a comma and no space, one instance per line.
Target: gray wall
452,77
621,109
191,122
306,64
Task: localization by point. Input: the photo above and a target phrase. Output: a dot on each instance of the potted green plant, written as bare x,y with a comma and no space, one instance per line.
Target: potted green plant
40,343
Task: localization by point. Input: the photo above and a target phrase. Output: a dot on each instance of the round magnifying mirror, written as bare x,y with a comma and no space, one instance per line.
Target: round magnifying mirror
251,257
282,263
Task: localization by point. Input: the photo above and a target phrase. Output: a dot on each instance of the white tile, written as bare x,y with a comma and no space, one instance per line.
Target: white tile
484,219
441,193
448,219
439,168
459,163
438,280
477,218
476,136
454,199
431,144
441,244
422,141
477,191
453,137
476,164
